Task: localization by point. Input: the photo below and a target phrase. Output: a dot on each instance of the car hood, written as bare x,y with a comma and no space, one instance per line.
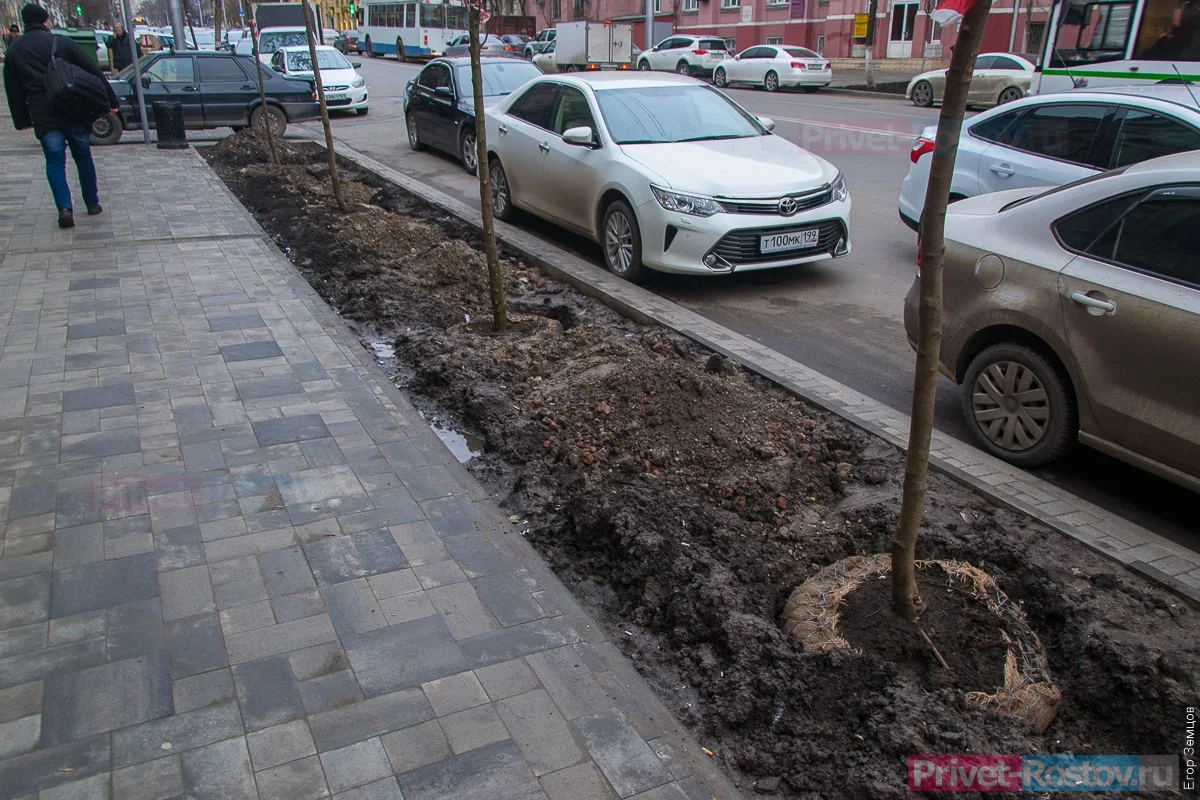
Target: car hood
759,166
933,73
467,104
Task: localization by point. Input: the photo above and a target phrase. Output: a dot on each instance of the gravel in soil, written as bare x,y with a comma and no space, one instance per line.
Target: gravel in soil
683,500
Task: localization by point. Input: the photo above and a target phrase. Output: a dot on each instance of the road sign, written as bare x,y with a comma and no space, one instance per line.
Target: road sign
861,23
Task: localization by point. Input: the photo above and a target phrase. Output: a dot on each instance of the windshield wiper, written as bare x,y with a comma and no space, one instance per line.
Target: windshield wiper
644,141
713,138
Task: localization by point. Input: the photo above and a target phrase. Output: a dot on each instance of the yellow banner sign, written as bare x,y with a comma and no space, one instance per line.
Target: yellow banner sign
860,25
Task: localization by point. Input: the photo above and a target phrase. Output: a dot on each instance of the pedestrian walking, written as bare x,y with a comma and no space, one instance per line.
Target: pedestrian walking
24,81
11,35
118,48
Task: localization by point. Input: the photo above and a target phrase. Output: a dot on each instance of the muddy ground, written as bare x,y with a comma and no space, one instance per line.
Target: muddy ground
682,500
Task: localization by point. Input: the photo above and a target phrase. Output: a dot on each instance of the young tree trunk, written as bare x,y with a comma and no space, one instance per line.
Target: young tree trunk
931,251
495,280
262,98
869,60
217,20
312,52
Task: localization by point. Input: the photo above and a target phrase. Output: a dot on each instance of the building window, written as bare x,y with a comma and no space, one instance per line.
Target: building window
691,5
726,4
556,10
657,6
731,44
774,39
820,44
778,2
580,10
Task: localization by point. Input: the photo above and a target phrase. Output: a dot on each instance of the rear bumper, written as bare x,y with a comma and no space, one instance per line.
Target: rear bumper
798,78
909,221
301,112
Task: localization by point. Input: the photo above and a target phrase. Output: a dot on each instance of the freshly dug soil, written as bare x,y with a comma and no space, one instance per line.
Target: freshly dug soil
683,500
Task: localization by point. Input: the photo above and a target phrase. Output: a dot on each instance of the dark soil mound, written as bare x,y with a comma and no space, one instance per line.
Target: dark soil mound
683,501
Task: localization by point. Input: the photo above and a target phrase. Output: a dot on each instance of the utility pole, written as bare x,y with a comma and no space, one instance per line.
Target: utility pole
1012,31
175,11
136,79
649,25
869,63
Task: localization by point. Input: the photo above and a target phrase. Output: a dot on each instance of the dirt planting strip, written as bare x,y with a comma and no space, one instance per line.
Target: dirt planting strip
682,499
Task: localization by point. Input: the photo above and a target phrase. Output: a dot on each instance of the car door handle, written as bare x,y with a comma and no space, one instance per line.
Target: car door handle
1003,170
503,129
1091,302
189,88
248,86
544,147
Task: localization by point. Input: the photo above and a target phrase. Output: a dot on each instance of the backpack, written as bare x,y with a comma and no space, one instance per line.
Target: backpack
73,92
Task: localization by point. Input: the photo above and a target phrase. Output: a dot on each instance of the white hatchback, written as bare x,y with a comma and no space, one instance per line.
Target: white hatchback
775,67
345,89
1052,139
665,172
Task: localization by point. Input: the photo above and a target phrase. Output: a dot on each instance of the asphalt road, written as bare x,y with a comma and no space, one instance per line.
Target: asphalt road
841,317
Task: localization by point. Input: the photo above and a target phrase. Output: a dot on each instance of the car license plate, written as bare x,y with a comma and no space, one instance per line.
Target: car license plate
336,96
794,240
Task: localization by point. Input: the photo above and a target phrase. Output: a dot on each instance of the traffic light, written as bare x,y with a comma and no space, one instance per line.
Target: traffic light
79,11
353,9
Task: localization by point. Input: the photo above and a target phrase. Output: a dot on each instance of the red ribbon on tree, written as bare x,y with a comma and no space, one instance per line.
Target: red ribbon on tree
951,12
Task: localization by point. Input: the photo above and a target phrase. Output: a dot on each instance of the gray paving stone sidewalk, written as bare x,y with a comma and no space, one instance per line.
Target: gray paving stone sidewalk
236,563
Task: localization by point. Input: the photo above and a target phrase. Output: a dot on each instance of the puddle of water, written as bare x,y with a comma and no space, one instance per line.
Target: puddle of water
383,350
462,444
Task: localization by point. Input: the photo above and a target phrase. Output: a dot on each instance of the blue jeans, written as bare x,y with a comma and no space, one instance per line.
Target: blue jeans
54,145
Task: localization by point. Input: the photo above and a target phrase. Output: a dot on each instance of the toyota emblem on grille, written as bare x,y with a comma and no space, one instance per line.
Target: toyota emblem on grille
788,206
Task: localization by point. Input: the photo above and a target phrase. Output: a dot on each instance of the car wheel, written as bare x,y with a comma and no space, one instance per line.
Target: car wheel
771,82
502,207
1008,95
922,94
370,49
622,241
401,56
269,116
362,112
106,130
529,54
643,65
414,138
811,89
467,153
568,68
683,68
720,80
1019,405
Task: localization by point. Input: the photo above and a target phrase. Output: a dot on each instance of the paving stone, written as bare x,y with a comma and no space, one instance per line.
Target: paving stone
451,515
267,692
355,765
566,674
540,730
154,780
120,394
356,556
205,689
235,322
386,789
104,698
24,601
240,619
285,572
298,606
322,453
93,788
669,758
20,735
420,543
54,766
372,717
219,771
250,351
100,445
315,662
484,774
186,593
353,608
281,638
91,330
621,754
477,556
251,544
307,487
519,640
290,429
460,608
454,693
182,731
37,664
195,645
670,791
416,746
407,608
403,655
203,456
222,529
429,482
93,283
507,598
282,743
473,728
104,585
581,782
442,573
268,387
507,679
31,499
394,584
330,691
135,629
20,701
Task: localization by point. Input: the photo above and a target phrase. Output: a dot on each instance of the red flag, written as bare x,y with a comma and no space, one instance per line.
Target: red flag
951,12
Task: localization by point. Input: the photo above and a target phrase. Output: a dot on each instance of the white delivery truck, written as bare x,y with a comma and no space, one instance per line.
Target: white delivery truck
593,45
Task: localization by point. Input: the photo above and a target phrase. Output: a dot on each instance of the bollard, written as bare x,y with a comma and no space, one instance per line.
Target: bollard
168,122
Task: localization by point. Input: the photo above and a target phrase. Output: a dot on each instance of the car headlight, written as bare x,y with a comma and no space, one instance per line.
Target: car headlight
358,82
840,192
686,203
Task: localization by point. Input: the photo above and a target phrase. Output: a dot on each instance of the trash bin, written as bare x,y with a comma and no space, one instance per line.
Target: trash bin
168,122
86,39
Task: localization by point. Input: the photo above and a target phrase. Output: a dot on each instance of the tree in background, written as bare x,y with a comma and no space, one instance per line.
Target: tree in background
311,35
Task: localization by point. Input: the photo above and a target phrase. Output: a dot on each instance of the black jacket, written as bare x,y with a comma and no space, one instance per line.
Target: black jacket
118,51
24,74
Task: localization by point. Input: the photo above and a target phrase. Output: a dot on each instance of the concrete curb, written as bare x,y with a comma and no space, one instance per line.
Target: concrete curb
863,93
1155,557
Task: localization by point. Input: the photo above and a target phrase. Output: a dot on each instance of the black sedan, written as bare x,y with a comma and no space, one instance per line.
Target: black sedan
439,109
216,90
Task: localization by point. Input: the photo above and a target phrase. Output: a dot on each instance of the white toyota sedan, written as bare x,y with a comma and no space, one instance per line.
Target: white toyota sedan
775,67
345,89
666,173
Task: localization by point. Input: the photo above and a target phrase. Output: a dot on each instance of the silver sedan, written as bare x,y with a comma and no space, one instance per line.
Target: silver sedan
489,45
998,78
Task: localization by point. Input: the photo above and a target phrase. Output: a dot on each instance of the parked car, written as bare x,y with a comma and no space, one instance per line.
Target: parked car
1057,138
775,67
666,173
439,109
347,42
545,60
687,55
517,40
489,45
1071,316
216,89
345,89
244,46
539,43
998,78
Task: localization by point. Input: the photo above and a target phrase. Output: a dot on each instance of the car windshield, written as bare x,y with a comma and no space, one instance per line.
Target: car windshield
270,41
800,52
1064,187
659,114
301,61
501,79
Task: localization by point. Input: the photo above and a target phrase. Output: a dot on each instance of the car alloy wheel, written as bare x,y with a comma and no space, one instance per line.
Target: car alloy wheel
771,82
467,152
414,138
643,65
719,79
622,241
683,68
1008,95
502,207
922,94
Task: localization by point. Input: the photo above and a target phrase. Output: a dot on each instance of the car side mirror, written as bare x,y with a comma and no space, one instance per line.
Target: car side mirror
582,136
766,122
356,64
444,91
145,81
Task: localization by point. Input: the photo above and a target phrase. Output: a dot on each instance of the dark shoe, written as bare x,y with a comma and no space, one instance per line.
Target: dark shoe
94,210
66,219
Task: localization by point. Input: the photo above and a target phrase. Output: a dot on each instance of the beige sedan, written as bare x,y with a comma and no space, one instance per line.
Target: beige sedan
999,78
1071,314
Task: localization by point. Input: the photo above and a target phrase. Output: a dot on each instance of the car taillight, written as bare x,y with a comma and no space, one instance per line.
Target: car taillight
920,147
623,66
827,65
918,256
700,52
508,47
593,66
797,65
